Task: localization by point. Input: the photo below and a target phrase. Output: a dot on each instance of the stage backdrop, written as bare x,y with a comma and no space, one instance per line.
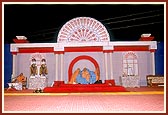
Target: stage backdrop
143,60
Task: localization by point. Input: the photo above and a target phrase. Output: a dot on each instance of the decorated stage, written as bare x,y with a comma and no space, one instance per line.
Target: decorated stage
82,55
61,87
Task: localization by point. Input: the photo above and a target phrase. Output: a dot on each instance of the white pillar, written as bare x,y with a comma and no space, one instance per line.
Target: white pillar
106,67
153,63
111,66
62,66
56,67
14,66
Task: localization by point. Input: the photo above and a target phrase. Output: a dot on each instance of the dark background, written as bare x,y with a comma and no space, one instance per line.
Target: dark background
42,22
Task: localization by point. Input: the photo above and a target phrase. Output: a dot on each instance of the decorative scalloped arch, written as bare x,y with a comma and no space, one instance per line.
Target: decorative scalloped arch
83,29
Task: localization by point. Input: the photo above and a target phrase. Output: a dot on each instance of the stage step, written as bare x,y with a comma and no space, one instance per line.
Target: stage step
61,87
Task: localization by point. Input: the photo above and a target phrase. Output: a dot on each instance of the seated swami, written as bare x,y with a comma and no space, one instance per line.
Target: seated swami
83,77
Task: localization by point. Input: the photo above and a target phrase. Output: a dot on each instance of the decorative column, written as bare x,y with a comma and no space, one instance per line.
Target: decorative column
59,57
106,66
153,47
13,66
62,66
107,50
111,65
56,67
153,62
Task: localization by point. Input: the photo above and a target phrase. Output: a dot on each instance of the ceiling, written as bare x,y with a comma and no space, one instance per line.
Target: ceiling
42,22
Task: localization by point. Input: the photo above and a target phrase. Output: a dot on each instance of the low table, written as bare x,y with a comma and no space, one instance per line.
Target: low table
130,81
154,80
37,82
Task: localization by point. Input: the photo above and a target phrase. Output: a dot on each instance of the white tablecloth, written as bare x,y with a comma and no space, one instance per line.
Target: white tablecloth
17,86
35,82
130,81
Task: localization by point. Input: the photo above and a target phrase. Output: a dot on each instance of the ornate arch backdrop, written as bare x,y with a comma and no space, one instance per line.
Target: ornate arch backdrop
83,29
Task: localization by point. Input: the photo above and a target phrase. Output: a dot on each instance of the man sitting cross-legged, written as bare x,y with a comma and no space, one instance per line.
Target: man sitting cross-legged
85,76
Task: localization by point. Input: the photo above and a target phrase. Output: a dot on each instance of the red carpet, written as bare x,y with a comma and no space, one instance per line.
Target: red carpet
60,87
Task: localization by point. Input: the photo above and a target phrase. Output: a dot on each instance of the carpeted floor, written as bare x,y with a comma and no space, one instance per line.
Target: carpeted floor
142,99
84,103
